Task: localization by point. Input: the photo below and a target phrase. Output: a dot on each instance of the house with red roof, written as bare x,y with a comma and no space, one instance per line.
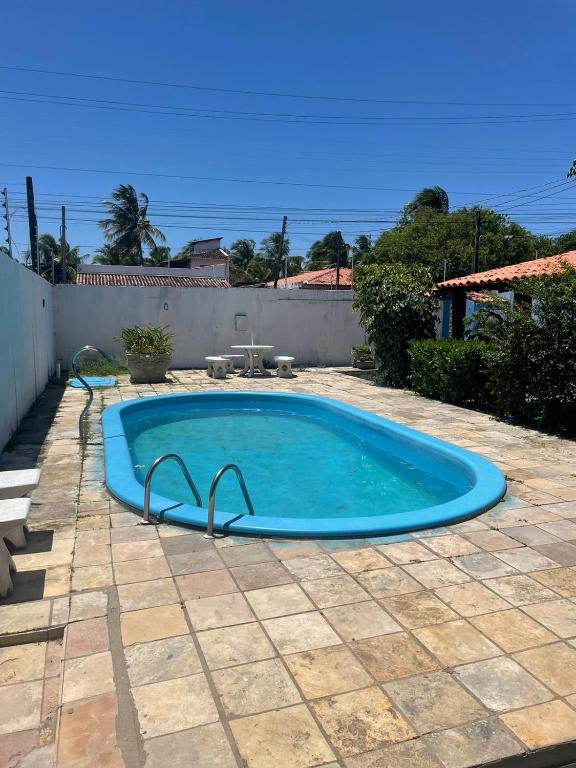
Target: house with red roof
319,279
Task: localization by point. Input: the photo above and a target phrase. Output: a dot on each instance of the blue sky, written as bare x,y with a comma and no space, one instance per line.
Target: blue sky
339,160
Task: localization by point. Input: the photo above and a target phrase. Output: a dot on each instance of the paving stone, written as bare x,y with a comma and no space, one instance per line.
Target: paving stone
404,552
152,624
562,529
229,646
543,725
456,642
136,550
22,663
250,554
288,550
471,599
257,687
25,617
195,562
433,701
436,573
557,615
336,590
88,605
554,665
261,575
87,676
271,602
91,554
219,611
474,744
18,747
418,609
162,660
20,706
185,543
185,703
300,632
193,586
492,541
407,754
358,560
205,746
87,729
91,577
389,657
451,545
132,533
327,671
562,552
360,620
288,737
316,567
147,594
521,590
86,637
561,580
531,535
526,559
512,630
484,565
361,720
387,582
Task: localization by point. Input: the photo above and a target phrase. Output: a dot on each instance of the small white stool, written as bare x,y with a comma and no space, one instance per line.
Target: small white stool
284,366
13,516
230,359
217,367
18,482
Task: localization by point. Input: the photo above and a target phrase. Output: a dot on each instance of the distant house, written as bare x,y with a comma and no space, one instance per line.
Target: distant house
150,277
319,279
206,253
460,295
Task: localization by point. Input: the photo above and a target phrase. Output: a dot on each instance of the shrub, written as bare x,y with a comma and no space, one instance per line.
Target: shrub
395,305
452,371
146,340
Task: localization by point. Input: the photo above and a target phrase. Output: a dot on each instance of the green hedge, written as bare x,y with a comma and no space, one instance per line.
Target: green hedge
452,371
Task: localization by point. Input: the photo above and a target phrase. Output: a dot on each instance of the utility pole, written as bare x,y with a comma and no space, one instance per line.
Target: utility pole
338,262
32,225
7,225
476,256
63,245
280,249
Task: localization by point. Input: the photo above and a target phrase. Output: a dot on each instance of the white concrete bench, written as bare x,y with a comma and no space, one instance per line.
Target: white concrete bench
284,366
217,367
18,482
13,516
230,359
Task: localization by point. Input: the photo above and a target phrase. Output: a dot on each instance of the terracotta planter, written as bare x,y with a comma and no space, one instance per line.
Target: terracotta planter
147,369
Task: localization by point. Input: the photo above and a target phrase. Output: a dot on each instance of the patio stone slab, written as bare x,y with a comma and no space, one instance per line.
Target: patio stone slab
205,746
152,624
162,660
327,671
270,574
147,594
389,657
521,590
145,570
563,552
87,729
87,676
291,549
484,565
358,560
451,545
554,665
185,703
561,580
474,744
456,642
193,586
542,725
249,554
219,611
404,552
557,615
315,567
512,630
229,646
88,605
434,701
336,590
257,687
22,663
471,599
526,559
136,550
285,599
20,706
531,535
24,617
288,737
492,541
386,582
92,577
195,562
562,529
501,684
406,754
360,721
86,637
300,632
418,609
436,573
361,620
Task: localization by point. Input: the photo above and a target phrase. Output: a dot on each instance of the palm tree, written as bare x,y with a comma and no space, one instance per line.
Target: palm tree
128,228
430,197
158,256
572,171
270,253
49,256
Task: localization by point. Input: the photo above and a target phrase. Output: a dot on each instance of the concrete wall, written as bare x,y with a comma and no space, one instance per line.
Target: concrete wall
26,342
313,326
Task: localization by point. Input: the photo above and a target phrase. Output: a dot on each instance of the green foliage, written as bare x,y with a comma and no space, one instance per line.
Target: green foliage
430,197
48,253
158,256
363,250
146,340
99,367
395,305
453,371
324,253
362,353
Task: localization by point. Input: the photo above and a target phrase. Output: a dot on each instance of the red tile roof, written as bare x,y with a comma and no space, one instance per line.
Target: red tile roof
512,273
149,281
322,278
481,298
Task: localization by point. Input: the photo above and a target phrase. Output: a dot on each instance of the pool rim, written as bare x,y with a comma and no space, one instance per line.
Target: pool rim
488,488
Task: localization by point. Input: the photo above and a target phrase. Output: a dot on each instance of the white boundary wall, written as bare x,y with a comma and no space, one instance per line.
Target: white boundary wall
26,342
315,327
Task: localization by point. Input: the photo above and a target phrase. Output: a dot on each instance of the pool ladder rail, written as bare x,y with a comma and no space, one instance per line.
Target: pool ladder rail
81,429
211,494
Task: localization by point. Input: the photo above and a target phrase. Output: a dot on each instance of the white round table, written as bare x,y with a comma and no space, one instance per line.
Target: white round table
253,353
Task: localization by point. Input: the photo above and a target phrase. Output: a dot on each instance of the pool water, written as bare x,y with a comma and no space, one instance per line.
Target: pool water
296,463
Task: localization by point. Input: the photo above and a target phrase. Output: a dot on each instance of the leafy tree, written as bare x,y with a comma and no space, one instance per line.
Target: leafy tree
395,305
110,255
50,258
325,253
435,198
272,255
128,228
158,256
241,254
363,250
572,169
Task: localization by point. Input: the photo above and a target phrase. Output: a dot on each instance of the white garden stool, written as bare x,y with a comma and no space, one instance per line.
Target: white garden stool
284,366
18,482
217,367
230,359
13,516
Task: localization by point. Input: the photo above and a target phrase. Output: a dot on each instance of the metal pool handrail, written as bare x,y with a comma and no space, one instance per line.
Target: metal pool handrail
85,384
148,482
212,496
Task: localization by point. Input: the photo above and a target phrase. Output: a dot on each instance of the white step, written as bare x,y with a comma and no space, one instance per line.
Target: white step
18,482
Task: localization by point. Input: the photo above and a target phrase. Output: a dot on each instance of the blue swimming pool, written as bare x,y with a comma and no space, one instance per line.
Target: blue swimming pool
313,466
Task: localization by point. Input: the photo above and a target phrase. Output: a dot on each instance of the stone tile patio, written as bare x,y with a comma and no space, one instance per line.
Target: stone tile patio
125,645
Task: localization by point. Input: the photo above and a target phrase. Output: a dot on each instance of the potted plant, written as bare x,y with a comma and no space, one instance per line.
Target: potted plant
148,353
362,357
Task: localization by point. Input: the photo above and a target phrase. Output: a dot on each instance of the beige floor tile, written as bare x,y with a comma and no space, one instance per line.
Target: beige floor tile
300,632
436,573
219,611
456,642
257,687
288,737
88,605
87,676
174,705
315,567
205,746
229,646
91,554
406,754
418,609
404,552
153,624
484,742
23,617
358,560
502,684
526,559
136,550
361,720
472,599
162,660
390,657
147,594
557,615
271,602
20,706
492,541
261,575
87,730
21,663
542,725
451,545
193,586
561,580
336,590
86,637
521,590
361,620
512,630
327,671
386,582
554,665
146,570
91,577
